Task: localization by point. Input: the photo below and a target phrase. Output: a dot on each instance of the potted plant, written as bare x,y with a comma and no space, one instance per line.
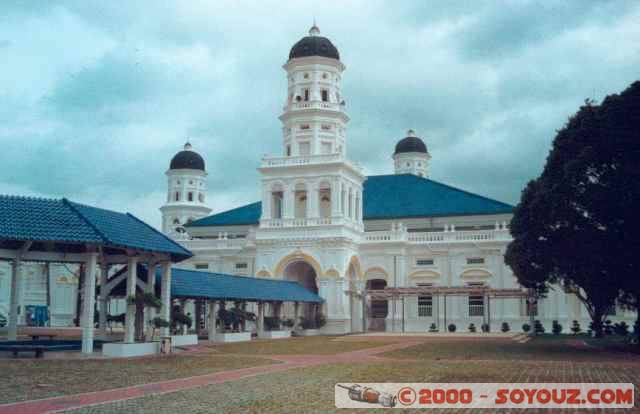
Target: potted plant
505,327
142,301
433,328
452,327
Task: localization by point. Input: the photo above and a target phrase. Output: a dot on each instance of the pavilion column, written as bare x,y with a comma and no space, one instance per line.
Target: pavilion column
104,297
260,320
213,316
165,294
88,303
15,304
150,312
296,314
130,317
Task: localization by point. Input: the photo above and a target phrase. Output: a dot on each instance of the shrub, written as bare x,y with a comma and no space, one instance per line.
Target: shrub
636,328
272,323
452,327
485,327
575,327
538,327
472,327
556,328
526,327
180,319
433,328
3,321
288,323
158,323
608,327
621,328
505,327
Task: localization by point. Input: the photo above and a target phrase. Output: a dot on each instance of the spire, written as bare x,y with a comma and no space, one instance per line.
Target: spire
315,30
187,146
411,133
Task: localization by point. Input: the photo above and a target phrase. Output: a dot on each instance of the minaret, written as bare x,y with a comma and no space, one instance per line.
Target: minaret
411,156
314,118
186,192
312,183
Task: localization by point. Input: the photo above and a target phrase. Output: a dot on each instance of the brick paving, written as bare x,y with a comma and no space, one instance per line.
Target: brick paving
304,383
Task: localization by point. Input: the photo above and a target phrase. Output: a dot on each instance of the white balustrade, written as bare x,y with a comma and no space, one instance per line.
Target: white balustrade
437,237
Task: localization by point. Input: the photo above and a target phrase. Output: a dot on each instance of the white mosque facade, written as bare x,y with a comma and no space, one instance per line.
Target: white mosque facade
323,223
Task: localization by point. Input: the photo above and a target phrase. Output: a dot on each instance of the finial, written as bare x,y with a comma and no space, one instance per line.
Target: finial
187,146
411,133
314,31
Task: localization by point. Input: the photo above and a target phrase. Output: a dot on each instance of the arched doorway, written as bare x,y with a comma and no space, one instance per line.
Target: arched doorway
303,273
378,309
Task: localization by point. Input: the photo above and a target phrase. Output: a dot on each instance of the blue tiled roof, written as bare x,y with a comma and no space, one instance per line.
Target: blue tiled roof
196,284
389,197
39,219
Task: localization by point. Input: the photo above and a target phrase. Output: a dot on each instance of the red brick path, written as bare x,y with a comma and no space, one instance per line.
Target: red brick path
57,404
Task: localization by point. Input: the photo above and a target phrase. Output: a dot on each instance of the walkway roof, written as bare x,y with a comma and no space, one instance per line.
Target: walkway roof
66,224
193,284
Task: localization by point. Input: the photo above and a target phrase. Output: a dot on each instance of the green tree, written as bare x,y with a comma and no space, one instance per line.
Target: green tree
576,225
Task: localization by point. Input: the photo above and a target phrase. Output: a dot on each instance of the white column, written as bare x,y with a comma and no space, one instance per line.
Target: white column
130,317
213,315
260,320
150,312
14,303
288,203
104,269
165,294
88,303
313,201
296,315
266,203
335,199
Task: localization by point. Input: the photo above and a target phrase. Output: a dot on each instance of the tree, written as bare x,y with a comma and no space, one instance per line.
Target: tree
576,226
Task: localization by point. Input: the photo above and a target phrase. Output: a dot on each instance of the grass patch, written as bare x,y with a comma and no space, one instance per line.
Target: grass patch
30,379
312,345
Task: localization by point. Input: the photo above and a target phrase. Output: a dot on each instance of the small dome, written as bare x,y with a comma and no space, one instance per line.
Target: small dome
187,159
314,45
411,144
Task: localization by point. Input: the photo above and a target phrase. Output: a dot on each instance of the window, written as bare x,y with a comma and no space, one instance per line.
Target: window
305,148
305,127
190,196
241,266
306,94
325,76
475,260
425,303
176,221
201,197
277,204
476,305
325,95
177,196
325,127
306,76
530,309
288,150
424,262
202,266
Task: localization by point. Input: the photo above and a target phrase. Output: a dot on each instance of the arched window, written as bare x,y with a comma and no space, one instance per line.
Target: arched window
190,196
177,196
306,94
201,197
325,95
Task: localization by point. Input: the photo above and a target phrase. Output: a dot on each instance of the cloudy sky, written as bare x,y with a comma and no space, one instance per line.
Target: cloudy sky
96,97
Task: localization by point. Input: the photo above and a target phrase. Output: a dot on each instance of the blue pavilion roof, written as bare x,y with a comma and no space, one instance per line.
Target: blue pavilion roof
389,197
196,284
63,221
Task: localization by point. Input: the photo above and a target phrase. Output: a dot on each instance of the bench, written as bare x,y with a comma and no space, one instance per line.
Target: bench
35,337
38,349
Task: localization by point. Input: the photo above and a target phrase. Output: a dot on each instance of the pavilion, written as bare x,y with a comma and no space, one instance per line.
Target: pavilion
61,231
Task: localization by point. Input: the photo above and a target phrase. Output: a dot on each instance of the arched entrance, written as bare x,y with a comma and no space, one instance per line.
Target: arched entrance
303,273
378,309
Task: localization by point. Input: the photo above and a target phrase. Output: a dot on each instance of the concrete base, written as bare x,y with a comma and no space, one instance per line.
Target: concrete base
336,327
122,350
307,332
184,340
232,337
274,334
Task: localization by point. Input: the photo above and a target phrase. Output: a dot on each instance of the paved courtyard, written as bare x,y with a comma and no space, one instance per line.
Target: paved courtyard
298,375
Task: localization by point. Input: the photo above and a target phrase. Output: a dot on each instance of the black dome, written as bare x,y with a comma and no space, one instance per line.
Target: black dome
410,144
187,160
314,45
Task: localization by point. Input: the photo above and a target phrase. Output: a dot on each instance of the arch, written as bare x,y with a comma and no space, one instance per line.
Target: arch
475,274
263,273
355,262
376,272
332,273
427,274
296,257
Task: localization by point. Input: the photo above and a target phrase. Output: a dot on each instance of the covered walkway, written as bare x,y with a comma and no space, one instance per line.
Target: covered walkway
61,231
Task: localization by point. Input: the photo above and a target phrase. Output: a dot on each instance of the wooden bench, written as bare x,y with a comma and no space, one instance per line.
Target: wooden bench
37,349
35,337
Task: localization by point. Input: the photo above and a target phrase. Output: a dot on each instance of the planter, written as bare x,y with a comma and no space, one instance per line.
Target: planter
307,332
274,334
232,337
184,340
122,350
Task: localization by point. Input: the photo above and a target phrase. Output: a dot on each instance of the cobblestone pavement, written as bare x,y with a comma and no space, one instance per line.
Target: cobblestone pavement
305,383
